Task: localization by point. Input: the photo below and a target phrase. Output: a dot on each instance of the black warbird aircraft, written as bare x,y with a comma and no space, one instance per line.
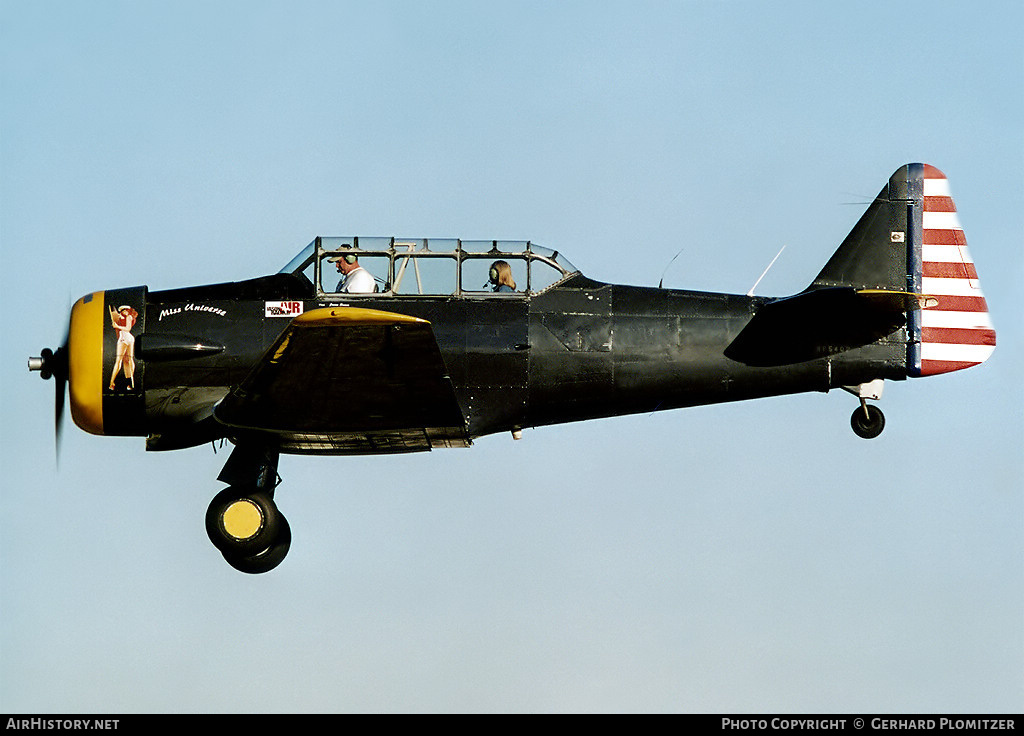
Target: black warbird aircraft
386,345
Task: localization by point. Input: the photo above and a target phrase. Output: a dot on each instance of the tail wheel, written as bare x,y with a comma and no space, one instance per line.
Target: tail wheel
243,521
269,558
867,421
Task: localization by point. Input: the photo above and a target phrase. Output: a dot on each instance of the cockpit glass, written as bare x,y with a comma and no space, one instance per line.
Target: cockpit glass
543,275
438,266
488,275
352,271
418,273
301,260
555,256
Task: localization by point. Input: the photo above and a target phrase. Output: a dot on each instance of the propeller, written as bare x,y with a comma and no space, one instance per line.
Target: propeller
54,365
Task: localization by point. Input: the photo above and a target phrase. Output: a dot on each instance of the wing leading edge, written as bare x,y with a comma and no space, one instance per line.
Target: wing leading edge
350,381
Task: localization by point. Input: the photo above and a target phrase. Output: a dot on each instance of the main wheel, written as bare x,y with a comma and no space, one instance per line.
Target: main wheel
269,558
867,421
242,521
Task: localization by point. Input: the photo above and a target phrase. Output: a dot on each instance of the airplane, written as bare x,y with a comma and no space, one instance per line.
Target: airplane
449,340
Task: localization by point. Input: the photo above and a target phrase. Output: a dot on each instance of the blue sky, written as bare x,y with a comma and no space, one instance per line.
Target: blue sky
740,558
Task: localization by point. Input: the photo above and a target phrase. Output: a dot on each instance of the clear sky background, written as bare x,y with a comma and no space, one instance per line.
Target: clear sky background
741,558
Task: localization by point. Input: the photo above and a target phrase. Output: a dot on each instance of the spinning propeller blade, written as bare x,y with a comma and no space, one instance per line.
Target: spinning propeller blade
55,365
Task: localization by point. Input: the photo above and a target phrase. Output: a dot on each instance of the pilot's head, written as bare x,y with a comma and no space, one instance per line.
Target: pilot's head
345,262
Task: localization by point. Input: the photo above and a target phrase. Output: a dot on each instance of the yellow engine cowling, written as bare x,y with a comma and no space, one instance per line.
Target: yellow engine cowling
104,372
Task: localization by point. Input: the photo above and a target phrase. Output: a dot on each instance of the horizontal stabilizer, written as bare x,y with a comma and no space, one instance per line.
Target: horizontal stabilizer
821,322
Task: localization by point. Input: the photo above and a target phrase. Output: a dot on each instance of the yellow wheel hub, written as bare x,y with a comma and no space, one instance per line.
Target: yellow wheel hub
242,519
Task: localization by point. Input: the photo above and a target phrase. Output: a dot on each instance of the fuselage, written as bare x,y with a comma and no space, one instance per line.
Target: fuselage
579,350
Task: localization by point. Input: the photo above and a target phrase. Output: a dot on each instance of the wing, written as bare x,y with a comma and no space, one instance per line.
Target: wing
350,381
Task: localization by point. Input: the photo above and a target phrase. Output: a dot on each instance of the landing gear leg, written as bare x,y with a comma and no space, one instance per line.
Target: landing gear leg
243,521
867,421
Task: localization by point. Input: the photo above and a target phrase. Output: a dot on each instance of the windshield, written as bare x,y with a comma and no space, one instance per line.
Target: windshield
302,259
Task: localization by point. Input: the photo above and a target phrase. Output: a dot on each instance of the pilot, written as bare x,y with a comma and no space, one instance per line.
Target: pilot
500,275
357,280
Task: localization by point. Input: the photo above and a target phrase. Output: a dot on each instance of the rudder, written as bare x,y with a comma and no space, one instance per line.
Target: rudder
957,331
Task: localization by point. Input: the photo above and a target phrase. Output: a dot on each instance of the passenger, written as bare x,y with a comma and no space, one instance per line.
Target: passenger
501,277
357,280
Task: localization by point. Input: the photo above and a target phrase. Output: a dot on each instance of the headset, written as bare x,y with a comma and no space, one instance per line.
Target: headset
349,258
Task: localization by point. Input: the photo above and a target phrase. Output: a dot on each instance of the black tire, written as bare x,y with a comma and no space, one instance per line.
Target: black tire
242,521
269,558
868,425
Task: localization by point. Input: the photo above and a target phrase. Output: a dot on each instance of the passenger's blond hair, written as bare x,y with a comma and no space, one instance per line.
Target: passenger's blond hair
504,274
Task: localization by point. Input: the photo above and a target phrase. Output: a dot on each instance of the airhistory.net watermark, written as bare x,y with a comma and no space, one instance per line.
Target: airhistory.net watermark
61,724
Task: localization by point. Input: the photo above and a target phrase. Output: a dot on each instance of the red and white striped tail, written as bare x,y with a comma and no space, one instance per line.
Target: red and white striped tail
956,332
